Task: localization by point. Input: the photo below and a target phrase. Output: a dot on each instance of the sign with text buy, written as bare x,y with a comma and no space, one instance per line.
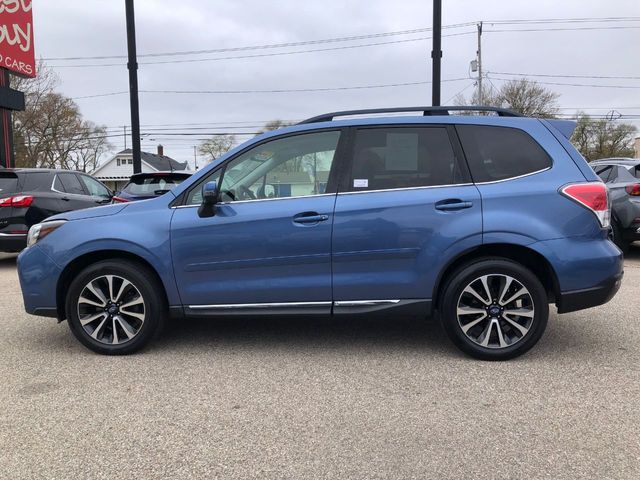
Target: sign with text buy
16,37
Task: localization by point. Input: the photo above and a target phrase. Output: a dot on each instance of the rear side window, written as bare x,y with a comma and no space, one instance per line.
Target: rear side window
71,183
604,172
403,157
499,153
36,182
153,185
8,182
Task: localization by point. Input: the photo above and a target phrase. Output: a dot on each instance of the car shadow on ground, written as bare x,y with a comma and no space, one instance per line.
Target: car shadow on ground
8,261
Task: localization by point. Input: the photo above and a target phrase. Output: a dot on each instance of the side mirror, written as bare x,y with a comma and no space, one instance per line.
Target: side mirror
210,194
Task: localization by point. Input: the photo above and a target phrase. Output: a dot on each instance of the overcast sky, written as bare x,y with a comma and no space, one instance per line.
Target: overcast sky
81,28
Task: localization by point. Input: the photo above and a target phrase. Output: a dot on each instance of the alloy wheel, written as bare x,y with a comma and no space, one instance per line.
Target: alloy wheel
495,311
111,309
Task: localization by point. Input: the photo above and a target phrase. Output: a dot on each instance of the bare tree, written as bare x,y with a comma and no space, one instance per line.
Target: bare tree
51,132
603,138
274,125
216,146
523,96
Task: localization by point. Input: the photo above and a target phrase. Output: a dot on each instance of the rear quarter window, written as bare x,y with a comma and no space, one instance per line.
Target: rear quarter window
500,153
8,182
36,181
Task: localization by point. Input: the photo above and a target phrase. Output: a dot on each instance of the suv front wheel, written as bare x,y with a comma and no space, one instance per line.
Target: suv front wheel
115,307
494,309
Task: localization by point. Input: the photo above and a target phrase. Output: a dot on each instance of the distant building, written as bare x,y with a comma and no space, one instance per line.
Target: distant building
115,172
636,146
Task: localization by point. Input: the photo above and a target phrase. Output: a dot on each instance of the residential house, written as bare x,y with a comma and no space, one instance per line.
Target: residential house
115,172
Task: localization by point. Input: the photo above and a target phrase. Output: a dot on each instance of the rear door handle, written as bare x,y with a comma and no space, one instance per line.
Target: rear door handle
310,217
452,204
66,199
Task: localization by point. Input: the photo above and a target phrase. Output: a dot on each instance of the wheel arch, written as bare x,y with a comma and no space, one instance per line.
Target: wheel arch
525,256
81,262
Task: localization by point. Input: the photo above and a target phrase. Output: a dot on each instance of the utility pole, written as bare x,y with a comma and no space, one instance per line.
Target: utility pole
125,136
132,65
479,52
195,157
436,52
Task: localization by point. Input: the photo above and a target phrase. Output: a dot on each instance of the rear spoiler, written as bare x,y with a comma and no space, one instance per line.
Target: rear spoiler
565,127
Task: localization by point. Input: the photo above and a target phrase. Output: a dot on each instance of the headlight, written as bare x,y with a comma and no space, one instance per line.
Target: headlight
40,230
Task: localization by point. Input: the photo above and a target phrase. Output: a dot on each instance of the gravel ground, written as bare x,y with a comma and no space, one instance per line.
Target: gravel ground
321,399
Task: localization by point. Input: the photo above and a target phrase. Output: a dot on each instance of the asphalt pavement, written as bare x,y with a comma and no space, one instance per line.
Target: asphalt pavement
300,398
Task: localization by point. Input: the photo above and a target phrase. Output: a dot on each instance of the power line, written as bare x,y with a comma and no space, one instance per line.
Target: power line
566,76
591,85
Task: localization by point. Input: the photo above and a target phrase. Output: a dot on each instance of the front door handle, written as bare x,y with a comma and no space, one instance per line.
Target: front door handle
452,204
310,217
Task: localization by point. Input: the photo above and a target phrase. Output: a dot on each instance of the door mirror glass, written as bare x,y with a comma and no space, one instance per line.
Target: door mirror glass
210,194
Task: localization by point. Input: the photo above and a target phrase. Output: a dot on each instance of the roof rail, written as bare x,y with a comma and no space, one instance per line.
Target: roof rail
426,111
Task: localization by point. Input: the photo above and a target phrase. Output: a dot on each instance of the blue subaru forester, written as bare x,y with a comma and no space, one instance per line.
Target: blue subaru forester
484,219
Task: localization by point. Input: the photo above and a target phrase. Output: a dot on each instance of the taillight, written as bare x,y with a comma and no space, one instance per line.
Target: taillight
594,196
633,190
119,200
17,201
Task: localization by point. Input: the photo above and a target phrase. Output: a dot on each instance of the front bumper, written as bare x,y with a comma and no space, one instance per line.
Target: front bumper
12,242
38,276
589,297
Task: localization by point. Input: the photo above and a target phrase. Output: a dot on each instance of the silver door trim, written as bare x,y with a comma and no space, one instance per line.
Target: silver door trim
361,303
232,306
196,205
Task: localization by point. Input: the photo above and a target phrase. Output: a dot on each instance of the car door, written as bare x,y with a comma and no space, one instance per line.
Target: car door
407,206
73,195
100,194
268,246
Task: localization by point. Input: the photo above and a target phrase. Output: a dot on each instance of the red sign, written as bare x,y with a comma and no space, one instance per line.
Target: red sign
16,37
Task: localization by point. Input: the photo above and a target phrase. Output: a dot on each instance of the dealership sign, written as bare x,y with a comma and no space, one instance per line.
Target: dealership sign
16,37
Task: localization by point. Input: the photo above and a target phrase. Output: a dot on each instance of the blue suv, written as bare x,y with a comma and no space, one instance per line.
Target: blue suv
482,219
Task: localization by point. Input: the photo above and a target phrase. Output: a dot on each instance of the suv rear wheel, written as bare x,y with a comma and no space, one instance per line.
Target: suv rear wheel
494,309
115,307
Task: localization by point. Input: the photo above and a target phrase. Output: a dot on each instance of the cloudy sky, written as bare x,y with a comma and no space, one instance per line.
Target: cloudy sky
562,52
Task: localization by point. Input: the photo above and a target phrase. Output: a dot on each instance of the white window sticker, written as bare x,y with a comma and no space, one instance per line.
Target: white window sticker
360,182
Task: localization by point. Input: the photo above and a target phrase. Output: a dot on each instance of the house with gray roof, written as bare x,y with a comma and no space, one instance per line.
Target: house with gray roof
115,172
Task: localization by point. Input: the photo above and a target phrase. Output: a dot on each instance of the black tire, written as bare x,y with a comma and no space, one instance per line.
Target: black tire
502,331
618,237
150,317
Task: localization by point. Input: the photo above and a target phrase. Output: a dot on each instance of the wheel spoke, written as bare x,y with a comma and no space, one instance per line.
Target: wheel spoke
501,340
90,302
523,330
139,316
128,330
115,331
135,301
521,312
123,286
470,290
97,293
473,323
485,284
110,284
487,334
97,330
471,311
513,297
505,289
92,318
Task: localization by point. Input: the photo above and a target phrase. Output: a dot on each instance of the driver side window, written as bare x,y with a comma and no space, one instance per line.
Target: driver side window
287,167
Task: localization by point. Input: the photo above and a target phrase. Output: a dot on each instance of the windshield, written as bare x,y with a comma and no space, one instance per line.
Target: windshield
153,185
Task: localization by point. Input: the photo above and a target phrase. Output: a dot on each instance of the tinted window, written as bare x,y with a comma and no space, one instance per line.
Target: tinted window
8,182
153,185
94,187
603,172
498,153
293,166
36,181
71,183
403,157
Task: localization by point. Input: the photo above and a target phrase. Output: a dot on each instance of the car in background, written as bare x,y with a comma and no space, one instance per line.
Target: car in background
143,186
622,176
30,195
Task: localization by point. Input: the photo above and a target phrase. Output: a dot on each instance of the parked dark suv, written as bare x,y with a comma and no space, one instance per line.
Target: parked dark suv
28,196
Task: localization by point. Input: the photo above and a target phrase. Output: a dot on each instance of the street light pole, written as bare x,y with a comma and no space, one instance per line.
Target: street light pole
436,52
132,65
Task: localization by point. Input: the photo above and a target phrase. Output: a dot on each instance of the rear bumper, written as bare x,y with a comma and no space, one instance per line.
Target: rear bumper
589,297
12,242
